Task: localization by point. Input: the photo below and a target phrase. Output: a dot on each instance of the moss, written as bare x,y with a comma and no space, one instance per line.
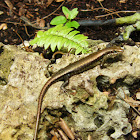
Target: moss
6,60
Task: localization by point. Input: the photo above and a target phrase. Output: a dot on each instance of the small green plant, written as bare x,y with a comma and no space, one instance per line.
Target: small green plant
69,15
61,36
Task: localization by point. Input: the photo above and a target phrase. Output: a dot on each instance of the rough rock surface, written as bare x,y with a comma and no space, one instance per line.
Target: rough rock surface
19,96
89,114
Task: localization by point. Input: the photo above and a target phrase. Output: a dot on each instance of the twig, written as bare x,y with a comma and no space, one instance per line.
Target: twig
1,5
100,3
95,9
128,102
66,129
10,5
64,137
58,52
16,23
105,8
31,24
26,31
19,37
50,13
116,13
26,48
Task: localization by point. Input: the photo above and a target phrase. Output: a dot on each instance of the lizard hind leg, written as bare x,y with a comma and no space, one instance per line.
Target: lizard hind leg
66,82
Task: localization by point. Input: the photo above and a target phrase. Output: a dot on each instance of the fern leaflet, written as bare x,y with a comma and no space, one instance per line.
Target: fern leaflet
61,36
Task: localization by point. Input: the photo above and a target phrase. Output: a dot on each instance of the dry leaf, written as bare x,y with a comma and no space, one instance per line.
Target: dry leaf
113,80
123,1
135,133
9,4
63,135
49,2
132,102
89,137
100,0
137,121
42,23
54,137
59,0
138,95
3,26
1,12
22,10
66,129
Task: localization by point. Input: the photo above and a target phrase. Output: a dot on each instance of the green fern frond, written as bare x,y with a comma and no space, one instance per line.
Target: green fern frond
61,36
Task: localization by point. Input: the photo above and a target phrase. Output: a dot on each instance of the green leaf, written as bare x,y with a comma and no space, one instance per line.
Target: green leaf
47,41
137,25
62,36
84,51
54,43
59,45
74,24
72,45
73,13
34,41
66,12
62,42
79,37
66,44
40,33
40,42
78,50
49,31
58,20
71,34
66,31
70,14
57,29
84,44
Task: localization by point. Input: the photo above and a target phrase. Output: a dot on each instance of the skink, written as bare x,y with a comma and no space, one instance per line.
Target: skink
72,69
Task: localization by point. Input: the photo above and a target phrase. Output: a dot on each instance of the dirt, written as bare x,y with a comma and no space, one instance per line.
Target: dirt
32,10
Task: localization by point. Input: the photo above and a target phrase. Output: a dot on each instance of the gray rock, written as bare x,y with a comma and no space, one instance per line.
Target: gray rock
89,114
